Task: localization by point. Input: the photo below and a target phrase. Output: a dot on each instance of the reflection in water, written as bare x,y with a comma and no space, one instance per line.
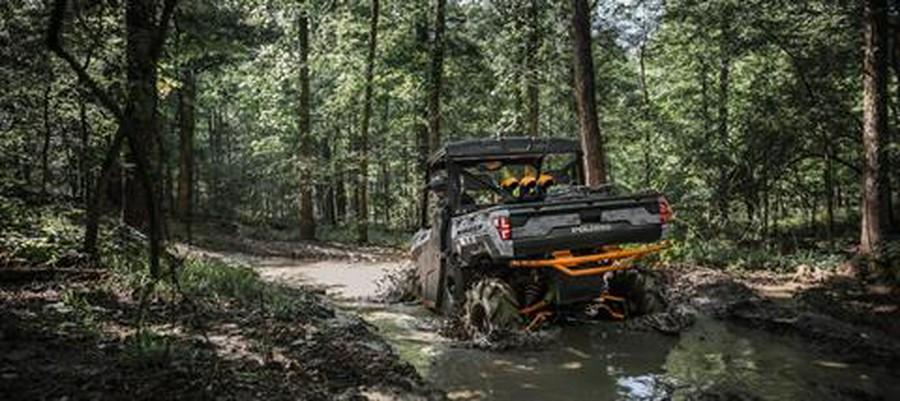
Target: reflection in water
602,361
726,359
646,387
586,364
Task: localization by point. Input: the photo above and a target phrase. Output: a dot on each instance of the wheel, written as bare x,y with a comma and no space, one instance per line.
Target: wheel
454,290
490,307
640,290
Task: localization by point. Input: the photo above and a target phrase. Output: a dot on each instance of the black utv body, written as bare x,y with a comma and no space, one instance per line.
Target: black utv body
511,218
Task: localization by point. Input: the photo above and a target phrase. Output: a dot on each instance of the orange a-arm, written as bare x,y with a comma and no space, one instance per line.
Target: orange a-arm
564,261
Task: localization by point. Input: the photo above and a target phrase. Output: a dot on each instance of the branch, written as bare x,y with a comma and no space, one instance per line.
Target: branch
162,29
54,43
847,164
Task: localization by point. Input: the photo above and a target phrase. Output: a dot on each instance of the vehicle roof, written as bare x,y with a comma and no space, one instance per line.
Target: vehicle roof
477,149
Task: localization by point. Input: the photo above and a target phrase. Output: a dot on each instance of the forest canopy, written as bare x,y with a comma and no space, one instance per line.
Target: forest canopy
314,118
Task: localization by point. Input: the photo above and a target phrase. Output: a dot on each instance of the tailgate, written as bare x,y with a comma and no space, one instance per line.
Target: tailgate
544,227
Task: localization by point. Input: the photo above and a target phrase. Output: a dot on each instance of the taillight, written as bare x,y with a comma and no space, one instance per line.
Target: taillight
665,211
503,228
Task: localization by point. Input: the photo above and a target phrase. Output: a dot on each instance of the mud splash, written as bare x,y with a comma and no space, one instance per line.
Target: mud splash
398,286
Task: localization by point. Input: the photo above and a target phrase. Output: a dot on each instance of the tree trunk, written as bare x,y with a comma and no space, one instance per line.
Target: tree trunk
307,221
705,113
532,90
421,140
874,211
648,139
107,170
436,73
723,186
142,207
140,113
186,122
214,205
363,217
386,191
340,196
84,172
71,171
894,182
164,170
144,42
326,199
589,127
45,149
829,193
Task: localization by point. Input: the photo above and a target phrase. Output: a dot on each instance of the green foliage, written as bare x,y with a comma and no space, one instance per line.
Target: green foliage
219,281
48,235
729,255
81,304
148,349
44,235
378,235
745,113
888,259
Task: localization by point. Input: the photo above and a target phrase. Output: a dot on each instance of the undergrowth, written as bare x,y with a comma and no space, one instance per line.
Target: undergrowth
219,281
724,254
44,235
50,236
378,235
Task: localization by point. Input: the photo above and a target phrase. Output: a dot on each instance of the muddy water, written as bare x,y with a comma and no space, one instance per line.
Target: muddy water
603,361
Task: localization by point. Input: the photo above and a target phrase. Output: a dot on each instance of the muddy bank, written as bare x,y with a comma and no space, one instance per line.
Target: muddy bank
836,312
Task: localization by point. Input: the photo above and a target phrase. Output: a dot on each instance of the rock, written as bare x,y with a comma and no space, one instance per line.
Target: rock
804,273
58,307
847,269
671,322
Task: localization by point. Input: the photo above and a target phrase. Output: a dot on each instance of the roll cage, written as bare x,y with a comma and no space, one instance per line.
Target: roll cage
453,158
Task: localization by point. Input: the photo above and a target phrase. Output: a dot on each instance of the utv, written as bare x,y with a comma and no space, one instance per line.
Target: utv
510,235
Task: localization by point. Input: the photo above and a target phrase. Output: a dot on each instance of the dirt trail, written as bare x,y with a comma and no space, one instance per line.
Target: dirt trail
337,272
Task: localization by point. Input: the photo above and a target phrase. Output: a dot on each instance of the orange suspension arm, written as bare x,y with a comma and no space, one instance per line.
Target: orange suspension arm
564,263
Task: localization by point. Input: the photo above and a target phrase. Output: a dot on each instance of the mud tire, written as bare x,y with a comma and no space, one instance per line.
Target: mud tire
641,289
453,291
490,308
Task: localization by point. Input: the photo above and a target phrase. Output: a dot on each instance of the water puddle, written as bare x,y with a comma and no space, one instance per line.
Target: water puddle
603,361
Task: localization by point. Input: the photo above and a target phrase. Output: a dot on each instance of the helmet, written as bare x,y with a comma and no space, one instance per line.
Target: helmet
528,187
510,184
544,182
